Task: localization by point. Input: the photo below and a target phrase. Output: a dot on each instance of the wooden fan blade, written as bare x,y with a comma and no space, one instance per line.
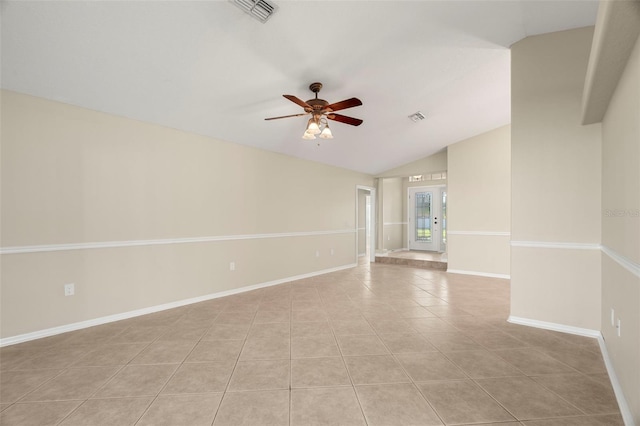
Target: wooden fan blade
345,119
347,103
298,101
286,116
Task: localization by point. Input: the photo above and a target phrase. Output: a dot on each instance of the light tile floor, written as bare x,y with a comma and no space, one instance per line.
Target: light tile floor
373,345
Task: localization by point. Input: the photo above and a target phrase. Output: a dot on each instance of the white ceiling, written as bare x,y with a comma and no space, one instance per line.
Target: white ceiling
207,67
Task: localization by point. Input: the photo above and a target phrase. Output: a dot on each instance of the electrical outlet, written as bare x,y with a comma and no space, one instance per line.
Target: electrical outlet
232,266
69,289
613,318
317,253
388,237
618,327
331,251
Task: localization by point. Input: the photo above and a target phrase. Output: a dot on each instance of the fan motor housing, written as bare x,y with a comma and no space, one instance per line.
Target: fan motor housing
317,104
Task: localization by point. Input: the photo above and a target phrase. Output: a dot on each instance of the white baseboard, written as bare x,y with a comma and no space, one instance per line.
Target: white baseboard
481,274
627,415
587,332
7,341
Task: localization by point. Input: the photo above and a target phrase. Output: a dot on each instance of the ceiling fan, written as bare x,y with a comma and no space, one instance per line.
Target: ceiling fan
320,111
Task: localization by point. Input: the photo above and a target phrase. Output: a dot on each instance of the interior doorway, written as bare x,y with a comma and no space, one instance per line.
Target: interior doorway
365,224
427,222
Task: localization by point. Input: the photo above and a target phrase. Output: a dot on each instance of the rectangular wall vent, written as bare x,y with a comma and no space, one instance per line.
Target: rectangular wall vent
259,9
417,116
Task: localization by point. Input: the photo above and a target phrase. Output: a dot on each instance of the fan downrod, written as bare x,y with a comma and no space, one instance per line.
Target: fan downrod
317,105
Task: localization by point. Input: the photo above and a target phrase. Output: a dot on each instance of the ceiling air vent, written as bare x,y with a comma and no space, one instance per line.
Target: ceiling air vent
417,116
259,9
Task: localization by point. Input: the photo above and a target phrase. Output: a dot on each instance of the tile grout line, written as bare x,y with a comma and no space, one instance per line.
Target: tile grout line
413,381
353,386
155,398
67,369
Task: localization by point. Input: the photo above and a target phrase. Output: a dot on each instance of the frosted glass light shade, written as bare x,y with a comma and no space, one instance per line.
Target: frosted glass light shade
313,127
308,136
326,133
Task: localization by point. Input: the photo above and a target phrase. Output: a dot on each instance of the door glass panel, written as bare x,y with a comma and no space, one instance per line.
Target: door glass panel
423,217
444,219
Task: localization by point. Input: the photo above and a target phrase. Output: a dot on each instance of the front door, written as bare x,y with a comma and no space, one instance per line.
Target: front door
425,218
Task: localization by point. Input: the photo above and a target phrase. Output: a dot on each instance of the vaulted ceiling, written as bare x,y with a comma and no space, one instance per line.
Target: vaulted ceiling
209,68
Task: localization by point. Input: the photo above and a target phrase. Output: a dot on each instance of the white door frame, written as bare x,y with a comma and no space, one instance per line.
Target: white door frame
372,228
437,189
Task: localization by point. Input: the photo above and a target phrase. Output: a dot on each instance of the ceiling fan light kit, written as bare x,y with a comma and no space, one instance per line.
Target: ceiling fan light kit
321,111
317,127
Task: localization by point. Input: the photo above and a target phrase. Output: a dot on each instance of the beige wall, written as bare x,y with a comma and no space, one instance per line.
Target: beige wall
556,168
556,285
479,203
362,225
393,215
75,176
431,164
621,230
